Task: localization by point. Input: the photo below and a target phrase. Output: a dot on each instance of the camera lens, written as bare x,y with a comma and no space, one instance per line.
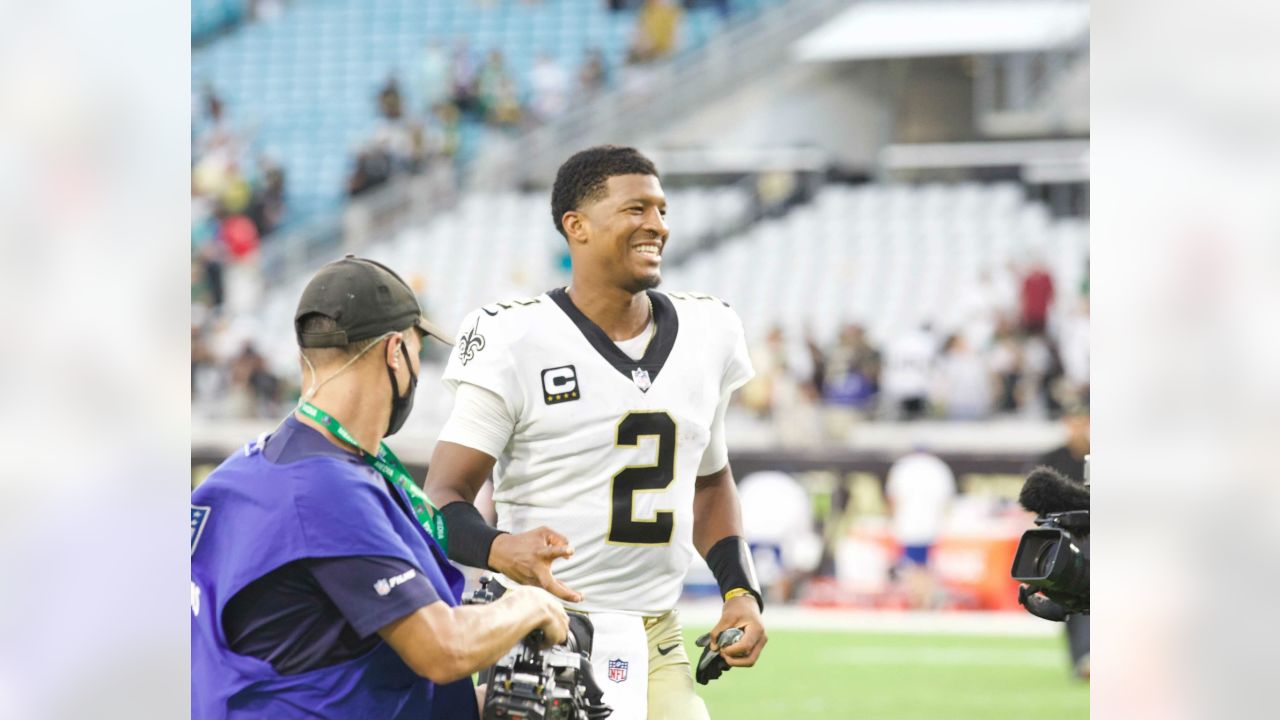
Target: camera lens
1046,558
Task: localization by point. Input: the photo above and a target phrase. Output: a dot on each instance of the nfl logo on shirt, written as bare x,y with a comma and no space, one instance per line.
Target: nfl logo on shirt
617,670
641,379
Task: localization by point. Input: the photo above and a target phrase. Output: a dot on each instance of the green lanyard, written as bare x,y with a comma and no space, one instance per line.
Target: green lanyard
390,467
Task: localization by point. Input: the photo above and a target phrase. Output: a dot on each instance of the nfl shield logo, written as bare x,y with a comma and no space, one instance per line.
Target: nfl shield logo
641,379
199,513
617,670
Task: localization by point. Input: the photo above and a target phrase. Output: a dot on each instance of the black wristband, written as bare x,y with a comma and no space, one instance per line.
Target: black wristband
730,562
470,537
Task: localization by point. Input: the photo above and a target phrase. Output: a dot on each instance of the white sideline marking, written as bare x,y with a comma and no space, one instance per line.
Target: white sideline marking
695,615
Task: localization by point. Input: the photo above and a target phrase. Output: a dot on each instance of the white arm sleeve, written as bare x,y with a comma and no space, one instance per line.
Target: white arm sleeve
716,455
480,420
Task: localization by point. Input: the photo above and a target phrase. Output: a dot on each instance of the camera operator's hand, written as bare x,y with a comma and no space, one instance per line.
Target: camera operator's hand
741,612
526,558
554,621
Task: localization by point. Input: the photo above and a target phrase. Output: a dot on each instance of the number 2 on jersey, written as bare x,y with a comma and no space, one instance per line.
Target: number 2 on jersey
624,529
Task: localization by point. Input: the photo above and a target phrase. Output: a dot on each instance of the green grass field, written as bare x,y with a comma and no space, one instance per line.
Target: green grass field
872,676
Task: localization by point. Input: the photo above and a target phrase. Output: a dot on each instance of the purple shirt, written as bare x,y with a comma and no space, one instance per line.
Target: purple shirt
316,612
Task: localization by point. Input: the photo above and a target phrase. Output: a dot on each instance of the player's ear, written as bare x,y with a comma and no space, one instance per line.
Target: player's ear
574,224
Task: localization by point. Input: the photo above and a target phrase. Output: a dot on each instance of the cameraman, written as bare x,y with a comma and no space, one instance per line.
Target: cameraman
320,588
1068,460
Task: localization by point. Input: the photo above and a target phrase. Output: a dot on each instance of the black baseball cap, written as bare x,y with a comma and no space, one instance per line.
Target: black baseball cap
366,299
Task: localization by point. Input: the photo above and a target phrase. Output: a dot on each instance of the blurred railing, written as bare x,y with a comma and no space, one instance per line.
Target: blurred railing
402,201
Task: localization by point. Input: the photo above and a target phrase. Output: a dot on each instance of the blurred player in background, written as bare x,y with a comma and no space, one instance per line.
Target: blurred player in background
919,491
602,406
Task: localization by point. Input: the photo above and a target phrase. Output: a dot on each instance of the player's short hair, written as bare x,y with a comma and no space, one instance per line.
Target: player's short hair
583,176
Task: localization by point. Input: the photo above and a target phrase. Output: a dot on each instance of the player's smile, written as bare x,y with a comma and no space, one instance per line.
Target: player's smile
651,250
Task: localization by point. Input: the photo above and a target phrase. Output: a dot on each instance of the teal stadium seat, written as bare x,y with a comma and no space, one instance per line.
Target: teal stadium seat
307,80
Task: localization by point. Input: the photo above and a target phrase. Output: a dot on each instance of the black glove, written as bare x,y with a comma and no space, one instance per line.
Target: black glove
1041,605
712,665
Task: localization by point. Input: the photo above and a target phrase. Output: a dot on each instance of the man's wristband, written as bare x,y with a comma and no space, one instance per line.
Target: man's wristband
470,537
735,572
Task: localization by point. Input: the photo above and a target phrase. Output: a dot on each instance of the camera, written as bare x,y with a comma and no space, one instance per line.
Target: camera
531,682
1052,560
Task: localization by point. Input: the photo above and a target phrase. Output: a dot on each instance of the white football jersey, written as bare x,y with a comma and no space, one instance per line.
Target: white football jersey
606,449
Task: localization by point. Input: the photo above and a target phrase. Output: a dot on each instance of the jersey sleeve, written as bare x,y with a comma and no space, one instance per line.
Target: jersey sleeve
481,356
372,591
479,420
738,369
716,456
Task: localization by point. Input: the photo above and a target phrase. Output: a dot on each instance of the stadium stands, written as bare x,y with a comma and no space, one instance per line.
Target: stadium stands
209,17
303,84
888,256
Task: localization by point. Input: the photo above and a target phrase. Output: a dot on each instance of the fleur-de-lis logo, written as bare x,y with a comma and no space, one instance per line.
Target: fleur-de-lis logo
470,343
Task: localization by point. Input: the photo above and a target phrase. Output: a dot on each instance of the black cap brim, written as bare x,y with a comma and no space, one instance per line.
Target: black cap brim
433,330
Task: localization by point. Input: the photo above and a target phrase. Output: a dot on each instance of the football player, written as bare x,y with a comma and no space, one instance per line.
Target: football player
599,410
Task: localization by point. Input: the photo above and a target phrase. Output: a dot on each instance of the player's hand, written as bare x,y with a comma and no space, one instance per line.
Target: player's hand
741,612
526,558
553,621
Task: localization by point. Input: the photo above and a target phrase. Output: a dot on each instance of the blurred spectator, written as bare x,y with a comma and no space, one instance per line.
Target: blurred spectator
1036,296
372,168
445,130
1074,346
266,206
238,235
657,26
768,357
499,103
390,104
253,386
463,77
206,375
218,135
1006,363
1042,370
963,381
919,491
593,74
851,374
550,83
508,111
908,367
206,278
434,75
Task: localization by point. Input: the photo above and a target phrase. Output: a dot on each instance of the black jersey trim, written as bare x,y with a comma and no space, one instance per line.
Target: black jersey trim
655,356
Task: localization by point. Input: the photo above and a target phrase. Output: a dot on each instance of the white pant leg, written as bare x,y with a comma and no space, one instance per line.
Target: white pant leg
620,663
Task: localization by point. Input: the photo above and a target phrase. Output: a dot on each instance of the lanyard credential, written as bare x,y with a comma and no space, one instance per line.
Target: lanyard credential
389,467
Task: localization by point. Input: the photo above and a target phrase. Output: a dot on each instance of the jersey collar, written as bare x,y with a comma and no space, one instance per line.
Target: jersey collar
655,357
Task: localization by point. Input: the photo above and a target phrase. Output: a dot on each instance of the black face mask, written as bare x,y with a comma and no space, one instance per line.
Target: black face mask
401,406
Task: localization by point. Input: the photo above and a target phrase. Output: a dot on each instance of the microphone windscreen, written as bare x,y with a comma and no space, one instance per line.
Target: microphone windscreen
1048,491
